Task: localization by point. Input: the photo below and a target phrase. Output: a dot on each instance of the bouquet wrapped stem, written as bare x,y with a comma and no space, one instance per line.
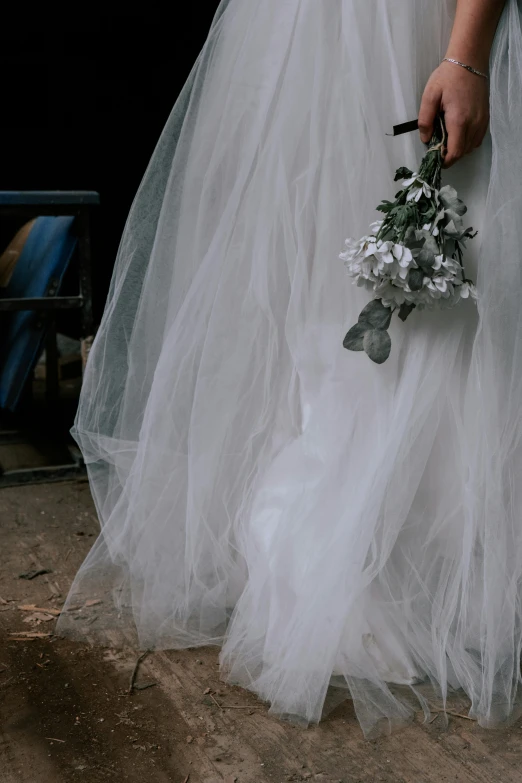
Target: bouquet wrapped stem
413,257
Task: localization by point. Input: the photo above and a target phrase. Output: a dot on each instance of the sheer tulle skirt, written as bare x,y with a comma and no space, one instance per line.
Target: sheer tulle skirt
325,519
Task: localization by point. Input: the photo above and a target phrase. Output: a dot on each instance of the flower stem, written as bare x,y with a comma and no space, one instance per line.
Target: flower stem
431,166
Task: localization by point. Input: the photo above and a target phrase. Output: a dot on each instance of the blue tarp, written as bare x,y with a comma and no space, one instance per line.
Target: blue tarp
43,261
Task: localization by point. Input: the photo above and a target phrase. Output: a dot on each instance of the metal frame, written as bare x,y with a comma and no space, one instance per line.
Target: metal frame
32,204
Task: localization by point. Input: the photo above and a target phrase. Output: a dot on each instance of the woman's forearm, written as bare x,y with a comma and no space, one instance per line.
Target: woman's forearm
473,31
462,96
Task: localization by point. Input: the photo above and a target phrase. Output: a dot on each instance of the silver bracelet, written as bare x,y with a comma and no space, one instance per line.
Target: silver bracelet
467,67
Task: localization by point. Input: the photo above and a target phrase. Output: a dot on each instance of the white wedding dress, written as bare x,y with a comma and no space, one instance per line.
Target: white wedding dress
326,520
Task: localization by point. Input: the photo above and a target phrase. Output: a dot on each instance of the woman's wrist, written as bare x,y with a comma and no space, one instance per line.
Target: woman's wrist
466,67
473,32
479,61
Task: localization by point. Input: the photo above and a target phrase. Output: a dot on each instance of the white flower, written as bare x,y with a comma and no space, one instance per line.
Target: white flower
354,248
403,255
468,290
441,283
420,187
382,267
404,261
383,250
452,266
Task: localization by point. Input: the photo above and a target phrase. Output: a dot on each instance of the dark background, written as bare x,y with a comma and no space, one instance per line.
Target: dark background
84,99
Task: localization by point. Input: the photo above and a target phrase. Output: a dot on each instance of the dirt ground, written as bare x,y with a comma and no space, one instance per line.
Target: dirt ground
66,714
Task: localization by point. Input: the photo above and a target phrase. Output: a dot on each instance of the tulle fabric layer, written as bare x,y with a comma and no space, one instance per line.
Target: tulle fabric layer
326,520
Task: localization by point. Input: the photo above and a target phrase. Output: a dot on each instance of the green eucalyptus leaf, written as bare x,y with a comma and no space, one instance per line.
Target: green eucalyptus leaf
354,338
377,344
430,244
422,234
451,230
449,199
447,194
376,315
451,215
426,257
402,173
426,260
405,310
461,208
409,235
430,213
415,279
440,216
450,247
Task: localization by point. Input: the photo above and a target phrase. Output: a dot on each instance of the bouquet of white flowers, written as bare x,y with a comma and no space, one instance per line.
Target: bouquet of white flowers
412,258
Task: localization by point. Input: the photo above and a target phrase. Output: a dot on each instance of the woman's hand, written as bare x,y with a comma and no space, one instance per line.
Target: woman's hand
464,99
461,95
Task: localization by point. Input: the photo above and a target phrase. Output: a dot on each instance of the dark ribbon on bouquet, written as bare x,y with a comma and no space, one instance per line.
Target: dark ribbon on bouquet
404,127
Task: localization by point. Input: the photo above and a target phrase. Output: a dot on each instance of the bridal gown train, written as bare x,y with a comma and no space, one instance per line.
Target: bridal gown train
324,519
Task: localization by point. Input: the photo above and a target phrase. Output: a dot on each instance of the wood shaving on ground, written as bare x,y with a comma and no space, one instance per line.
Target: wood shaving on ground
18,636
33,608
135,671
38,618
33,574
78,607
142,686
216,702
453,713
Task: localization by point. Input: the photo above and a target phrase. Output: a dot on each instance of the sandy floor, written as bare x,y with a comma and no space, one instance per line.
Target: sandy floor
66,714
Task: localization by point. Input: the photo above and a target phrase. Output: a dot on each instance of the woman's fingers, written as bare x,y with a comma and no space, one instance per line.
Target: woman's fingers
458,142
480,133
464,137
464,99
430,106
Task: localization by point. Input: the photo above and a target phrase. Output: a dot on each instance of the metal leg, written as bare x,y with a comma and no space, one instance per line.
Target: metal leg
84,263
52,377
